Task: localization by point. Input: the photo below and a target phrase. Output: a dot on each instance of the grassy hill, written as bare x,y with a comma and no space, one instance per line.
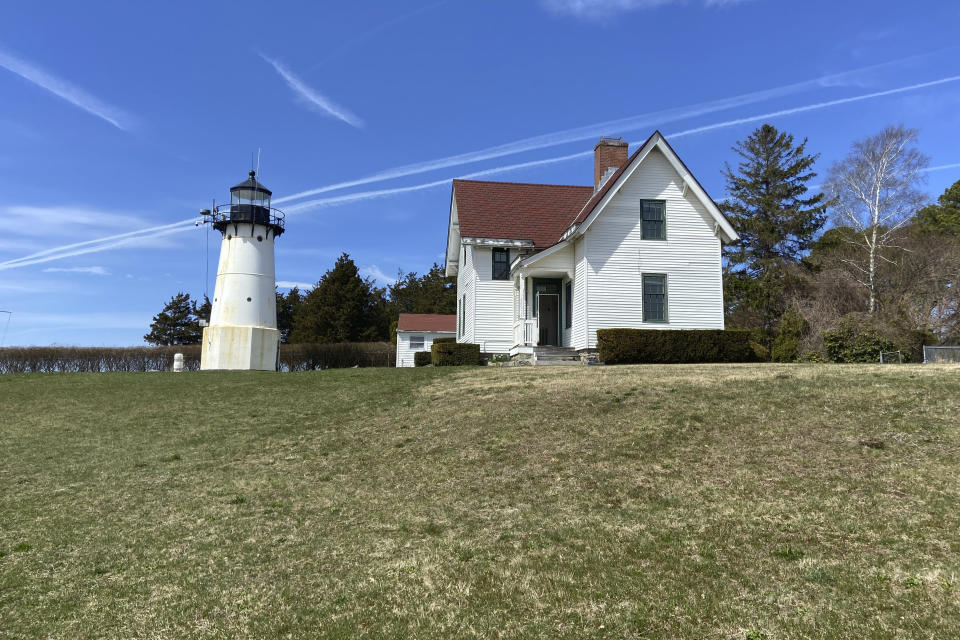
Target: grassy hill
727,501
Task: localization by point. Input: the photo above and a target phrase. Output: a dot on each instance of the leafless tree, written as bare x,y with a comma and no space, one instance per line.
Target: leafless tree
875,192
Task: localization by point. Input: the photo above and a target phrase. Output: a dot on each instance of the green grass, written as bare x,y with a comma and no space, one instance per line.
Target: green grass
725,501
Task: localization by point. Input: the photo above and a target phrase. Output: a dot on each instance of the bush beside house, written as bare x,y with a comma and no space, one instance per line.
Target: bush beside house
448,353
638,346
422,358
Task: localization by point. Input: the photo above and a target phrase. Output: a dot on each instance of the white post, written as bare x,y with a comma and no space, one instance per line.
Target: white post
178,362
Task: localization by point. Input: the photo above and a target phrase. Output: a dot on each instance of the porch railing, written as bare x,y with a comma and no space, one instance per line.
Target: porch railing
526,332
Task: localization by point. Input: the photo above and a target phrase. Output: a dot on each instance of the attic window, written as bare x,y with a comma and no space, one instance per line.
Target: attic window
653,220
501,264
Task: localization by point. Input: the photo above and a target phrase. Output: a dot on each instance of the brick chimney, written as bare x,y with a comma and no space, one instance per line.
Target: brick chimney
609,153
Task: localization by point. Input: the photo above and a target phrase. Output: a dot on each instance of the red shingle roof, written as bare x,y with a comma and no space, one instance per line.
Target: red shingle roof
517,211
427,322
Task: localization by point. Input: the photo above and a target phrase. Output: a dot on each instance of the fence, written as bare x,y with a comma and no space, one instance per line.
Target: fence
941,355
293,357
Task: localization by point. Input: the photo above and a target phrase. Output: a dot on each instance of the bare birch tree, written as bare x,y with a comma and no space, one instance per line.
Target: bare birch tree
875,192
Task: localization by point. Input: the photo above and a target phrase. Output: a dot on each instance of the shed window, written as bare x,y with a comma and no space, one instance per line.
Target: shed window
654,297
501,264
416,342
653,224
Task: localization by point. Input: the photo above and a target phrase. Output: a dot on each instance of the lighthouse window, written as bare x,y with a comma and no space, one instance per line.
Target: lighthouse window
259,238
248,299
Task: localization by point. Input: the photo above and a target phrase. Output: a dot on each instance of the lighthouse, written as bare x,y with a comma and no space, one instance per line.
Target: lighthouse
242,333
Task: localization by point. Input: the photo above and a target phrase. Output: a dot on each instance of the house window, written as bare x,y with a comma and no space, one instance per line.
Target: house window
654,297
416,342
501,264
568,310
653,220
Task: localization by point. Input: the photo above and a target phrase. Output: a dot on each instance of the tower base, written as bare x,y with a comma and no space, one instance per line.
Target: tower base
240,348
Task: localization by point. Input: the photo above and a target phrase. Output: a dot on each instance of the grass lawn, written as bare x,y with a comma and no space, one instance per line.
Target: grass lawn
714,501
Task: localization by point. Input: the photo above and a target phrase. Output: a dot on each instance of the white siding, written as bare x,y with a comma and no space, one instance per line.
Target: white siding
466,289
405,354
579,331
493,310
616,257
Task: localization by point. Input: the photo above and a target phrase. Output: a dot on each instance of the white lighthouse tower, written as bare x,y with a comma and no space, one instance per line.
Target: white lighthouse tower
243,319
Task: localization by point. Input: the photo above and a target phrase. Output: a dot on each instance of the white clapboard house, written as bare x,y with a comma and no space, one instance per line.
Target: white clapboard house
417,331
542,266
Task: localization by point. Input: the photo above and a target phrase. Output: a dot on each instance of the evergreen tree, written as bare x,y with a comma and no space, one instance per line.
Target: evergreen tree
776,220
433,292
202,311
176,323
342,307
288,306
942,218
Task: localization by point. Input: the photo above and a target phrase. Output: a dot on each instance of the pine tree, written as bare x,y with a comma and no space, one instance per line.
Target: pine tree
176,323
942,218
776,219
342,307
433,292
288,306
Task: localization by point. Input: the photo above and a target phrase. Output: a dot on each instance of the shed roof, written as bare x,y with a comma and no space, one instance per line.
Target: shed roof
427,322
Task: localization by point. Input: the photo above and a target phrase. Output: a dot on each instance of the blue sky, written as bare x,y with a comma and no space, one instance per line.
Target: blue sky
120,117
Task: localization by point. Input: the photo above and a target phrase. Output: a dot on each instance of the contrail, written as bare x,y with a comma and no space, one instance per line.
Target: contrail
941,167
54,254
314,98
300,207
63,89
813,107
118,236
591,131
353,197
365,195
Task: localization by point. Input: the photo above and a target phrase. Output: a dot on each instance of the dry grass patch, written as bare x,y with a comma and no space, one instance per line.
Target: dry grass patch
722,501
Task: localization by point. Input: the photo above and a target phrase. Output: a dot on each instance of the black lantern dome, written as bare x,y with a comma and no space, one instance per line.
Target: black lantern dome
249,203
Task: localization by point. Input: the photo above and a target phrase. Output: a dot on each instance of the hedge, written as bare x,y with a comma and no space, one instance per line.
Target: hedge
638,346
444,340
422,358
451,354
293,357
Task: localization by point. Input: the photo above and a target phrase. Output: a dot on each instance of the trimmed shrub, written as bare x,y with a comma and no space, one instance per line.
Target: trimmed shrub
422,358
856,341
293,357
443,340
636,346
451,354
337,355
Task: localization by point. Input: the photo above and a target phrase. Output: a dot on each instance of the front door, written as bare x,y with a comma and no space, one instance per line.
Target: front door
549,314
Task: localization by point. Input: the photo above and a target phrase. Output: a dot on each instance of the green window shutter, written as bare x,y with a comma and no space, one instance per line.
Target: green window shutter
653,220
568,295
654,298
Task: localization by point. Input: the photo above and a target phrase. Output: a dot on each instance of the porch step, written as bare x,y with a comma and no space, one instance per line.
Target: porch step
555,356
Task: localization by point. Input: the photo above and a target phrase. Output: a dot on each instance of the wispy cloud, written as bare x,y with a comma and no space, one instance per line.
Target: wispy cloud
290,284
609,127
598,9
96,271
64,89
312,97
374,272
60,220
